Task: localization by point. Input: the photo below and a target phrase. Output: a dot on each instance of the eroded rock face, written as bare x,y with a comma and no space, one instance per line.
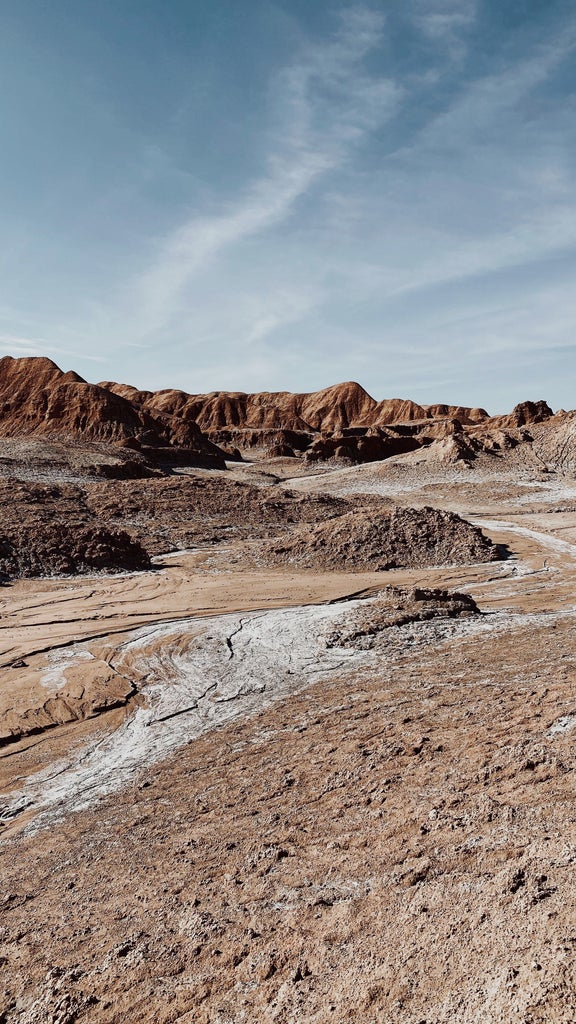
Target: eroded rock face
375,540
554,442
58,550
523,414
320,423
460,412
397,606
171,428
330,410
38,398
366,448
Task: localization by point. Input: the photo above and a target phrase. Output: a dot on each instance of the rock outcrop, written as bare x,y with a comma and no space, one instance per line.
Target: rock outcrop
367,447
523,415
330,410
458,412
378,540
59,551
553,442
398,606
342,422
171,427
38,398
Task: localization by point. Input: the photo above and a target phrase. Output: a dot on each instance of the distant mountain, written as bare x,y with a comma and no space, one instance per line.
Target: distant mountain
333,409
37,397
343,421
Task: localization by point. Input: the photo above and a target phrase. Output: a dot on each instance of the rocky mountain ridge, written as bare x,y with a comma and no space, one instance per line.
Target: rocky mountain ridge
344,422
38,398
339,422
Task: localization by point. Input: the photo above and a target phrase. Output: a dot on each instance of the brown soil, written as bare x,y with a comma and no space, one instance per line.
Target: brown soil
49,530
70,529
58,550
391,845
386,540
65,528
383,851
206,509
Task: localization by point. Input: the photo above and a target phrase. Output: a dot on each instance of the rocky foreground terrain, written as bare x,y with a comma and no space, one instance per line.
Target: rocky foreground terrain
287,707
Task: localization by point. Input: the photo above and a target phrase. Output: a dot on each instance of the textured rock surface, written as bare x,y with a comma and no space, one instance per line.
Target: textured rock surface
523,414
57,549
329,410
381,540
37,398
372,447
397,606
168,428
554,442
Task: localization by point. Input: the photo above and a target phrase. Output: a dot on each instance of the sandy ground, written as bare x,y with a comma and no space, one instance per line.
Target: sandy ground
212,815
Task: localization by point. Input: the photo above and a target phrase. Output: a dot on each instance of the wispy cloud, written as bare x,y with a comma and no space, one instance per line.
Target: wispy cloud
326,104
10,343
488,184
444,22
398,201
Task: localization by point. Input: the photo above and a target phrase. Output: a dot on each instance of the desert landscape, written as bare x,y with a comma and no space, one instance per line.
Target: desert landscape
287,707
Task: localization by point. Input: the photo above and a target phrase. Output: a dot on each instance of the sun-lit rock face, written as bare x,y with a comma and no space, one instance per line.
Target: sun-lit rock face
38,398
342,422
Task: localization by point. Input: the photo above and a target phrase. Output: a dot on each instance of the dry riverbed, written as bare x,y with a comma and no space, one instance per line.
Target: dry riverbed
263,825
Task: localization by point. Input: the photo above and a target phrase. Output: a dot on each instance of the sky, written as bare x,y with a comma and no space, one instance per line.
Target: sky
286,194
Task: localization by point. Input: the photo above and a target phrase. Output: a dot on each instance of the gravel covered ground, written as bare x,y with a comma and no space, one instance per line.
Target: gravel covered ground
396,846
293,814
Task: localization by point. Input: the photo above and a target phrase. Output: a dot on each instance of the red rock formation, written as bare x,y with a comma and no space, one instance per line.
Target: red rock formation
331,410
396,410
37,397
333,423
522,415
459,412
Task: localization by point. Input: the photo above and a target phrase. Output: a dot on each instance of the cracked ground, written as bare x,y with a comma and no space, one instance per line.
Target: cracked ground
264,828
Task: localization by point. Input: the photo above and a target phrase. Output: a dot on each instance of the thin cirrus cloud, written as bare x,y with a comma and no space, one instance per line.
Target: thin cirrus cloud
11,344
444,21
468,197
322,192
480,148
328,105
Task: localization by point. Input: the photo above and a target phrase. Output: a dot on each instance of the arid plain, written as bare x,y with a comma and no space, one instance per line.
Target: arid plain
287,707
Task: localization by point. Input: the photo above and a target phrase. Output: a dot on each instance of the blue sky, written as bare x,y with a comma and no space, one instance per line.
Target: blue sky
279,194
